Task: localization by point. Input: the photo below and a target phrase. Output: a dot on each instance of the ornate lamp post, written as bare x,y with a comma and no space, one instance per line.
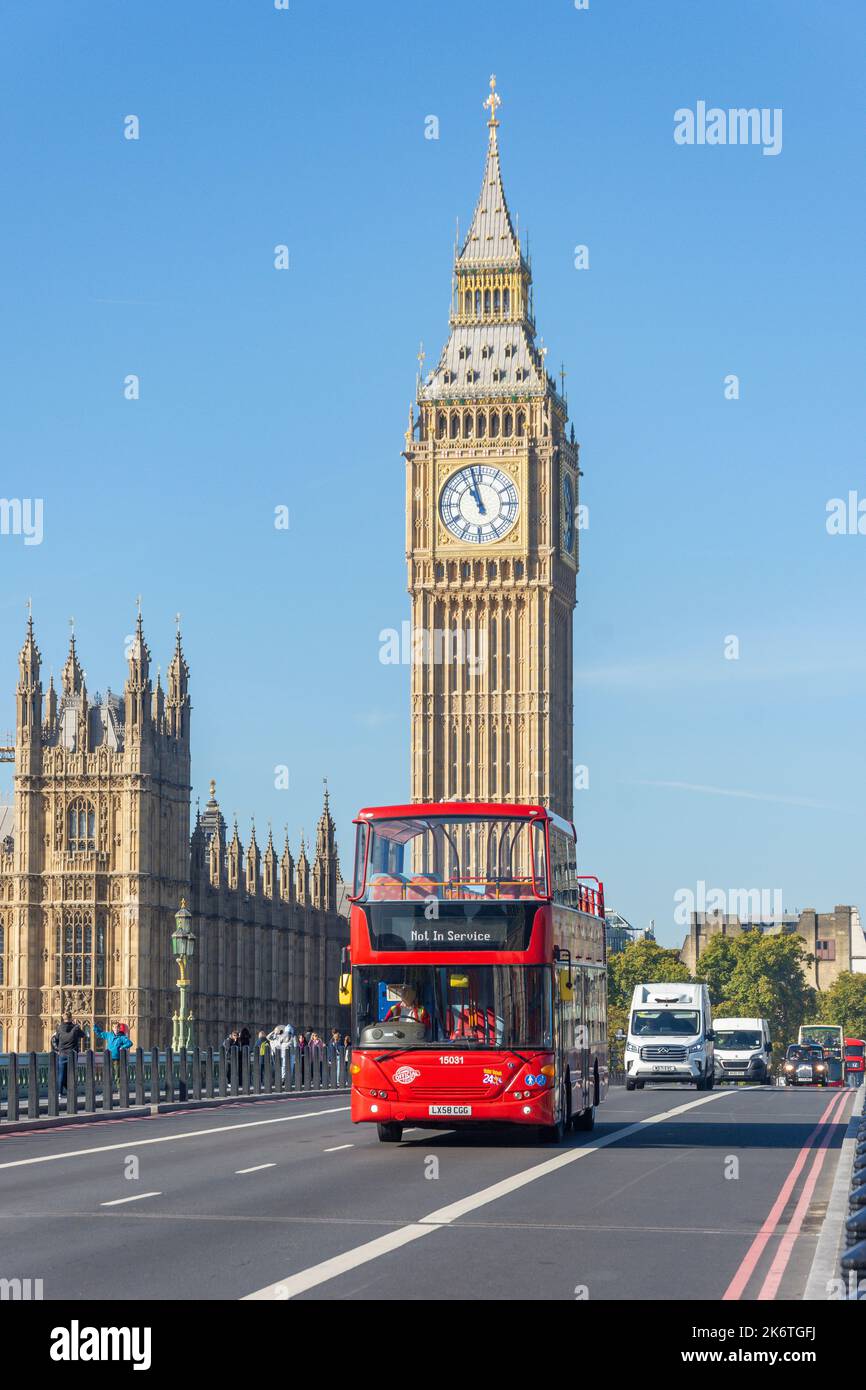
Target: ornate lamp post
183,949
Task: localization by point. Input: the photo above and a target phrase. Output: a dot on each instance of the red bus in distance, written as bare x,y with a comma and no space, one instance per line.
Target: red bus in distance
476,971
853,1053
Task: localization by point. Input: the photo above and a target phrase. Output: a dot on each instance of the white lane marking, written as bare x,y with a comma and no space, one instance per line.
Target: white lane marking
337,1147
295,1284
172,1138
258,1168
119,1201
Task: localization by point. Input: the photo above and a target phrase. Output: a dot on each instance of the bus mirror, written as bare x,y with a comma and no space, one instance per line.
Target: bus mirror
345,989
566,987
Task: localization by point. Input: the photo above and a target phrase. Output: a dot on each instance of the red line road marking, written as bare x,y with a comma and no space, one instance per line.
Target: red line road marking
770,1286
756,1249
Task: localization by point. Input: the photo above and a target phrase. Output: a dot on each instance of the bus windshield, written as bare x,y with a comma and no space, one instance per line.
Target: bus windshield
425,858
453,1005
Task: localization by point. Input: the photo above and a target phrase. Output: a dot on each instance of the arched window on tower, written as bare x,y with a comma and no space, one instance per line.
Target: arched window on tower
494,424
487,301
478,302
507,424
467,424
506,762
494,655
496,301
521,423
481,426
441,425
455,425
467,302
81,826
506,643
506,301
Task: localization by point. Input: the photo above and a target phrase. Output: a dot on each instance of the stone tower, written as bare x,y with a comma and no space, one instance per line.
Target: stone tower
100,856
492,536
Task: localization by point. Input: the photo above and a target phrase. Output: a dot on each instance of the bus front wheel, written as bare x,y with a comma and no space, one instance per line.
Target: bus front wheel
390,1133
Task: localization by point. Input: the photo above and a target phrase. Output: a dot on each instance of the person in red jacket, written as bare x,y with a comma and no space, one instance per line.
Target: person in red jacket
409,1008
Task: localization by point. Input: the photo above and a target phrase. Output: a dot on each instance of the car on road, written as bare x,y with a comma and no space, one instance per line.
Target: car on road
804,1065
742,1050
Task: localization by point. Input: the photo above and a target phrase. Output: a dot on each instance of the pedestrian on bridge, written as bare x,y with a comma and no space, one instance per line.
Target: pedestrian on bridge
65,1041
263,1051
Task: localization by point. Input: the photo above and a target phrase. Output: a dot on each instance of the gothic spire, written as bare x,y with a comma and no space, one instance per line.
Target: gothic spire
73,676
491,236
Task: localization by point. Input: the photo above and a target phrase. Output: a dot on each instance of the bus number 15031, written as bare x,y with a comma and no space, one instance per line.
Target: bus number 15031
448,1060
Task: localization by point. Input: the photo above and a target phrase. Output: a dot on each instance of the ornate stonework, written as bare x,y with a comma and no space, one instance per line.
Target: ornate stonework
101,858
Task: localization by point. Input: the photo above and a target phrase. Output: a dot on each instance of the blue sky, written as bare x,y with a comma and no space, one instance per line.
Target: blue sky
261,388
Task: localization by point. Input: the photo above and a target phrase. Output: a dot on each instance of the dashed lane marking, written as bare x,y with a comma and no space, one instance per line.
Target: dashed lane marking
139,1197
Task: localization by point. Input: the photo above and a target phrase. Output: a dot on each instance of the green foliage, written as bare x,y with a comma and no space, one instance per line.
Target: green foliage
843,1003
642,962
617,1019
756,975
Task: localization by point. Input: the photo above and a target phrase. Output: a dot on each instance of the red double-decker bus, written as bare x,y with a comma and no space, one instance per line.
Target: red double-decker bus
476,971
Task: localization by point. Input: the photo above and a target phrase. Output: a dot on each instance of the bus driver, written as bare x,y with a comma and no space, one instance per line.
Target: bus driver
409,1009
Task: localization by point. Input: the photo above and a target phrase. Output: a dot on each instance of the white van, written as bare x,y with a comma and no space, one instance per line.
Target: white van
670,1036
742,1049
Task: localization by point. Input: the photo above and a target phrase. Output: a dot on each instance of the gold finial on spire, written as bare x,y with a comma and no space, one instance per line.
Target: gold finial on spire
212,789
421,355
492,102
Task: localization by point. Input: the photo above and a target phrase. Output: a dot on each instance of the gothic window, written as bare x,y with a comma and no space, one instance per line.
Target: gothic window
464,352
467,425
481,428
467,302
494,770
455,425
441,425
507,651
81,826
79,954
440,571
453,740
521,423
506,301
478,301
466,570
487,301
506,762
507,424
496,301
494,657
494,424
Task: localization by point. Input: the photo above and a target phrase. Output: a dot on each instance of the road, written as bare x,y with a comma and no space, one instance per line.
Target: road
286,1198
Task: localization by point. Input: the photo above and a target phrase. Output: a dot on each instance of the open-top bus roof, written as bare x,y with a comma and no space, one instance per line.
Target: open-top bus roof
479,810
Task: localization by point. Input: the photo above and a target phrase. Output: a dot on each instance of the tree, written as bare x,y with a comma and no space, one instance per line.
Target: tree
768,982
716,965
642,962
844,1003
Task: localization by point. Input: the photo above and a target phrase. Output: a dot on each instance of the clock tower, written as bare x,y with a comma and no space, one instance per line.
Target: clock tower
492,536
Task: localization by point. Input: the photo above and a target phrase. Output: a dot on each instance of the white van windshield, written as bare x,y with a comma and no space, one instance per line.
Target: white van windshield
742,1041
657,1023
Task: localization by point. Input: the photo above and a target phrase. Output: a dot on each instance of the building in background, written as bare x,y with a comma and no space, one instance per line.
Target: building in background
99,857
492,536
620,932
835,939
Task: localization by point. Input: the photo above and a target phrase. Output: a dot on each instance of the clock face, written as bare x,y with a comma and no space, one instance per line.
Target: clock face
568,514
479,503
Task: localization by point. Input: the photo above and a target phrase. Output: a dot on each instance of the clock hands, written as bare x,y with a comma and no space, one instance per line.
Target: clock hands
476,491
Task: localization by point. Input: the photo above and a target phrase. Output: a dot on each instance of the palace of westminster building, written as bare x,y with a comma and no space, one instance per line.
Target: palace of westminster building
99,857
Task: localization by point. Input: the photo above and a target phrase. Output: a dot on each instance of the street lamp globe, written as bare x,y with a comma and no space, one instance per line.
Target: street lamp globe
183,938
